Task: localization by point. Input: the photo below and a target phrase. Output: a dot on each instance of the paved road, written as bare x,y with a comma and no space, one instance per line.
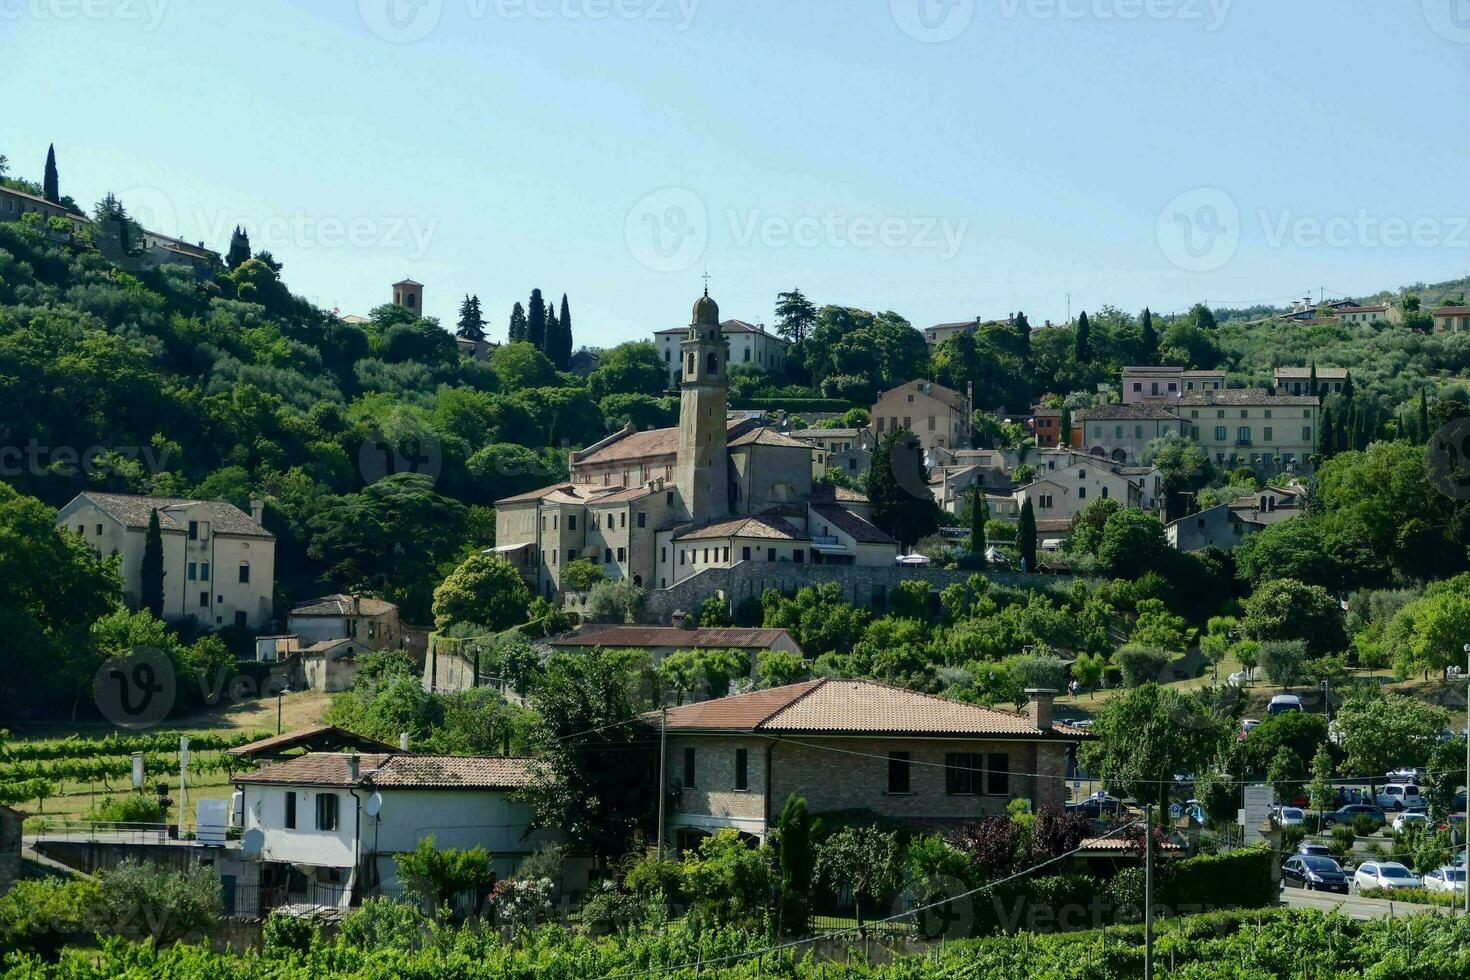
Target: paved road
1353,906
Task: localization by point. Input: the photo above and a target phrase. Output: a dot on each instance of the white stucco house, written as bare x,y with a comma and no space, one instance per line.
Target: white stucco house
331,822
219,563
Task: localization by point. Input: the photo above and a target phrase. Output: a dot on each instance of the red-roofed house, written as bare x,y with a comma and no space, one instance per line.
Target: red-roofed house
853,744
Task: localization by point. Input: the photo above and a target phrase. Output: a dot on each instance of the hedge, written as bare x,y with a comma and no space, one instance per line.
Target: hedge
794,405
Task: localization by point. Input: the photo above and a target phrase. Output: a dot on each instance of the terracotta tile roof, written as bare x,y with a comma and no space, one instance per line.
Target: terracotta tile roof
938,392
345,648
650,442
1306,372
825,433
1114,845
345,605
1453,311
643,637
624,496
1244,396
765,437
133,511
857,707
1137,411
825,492
777,528
852,525
398,771
329,735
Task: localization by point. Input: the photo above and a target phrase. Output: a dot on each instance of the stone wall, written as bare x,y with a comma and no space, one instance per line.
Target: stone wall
861,584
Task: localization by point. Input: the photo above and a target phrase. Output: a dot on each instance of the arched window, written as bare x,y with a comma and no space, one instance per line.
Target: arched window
244,571
712,363
411,300
638,580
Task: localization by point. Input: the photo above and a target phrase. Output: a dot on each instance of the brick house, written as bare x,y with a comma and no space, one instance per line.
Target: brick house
1047,426
857,745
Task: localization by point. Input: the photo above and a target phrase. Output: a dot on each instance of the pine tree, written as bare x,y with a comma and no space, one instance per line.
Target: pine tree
1423,417
1026,533
151,572
517,331
794,316
564,352
51,188
536,321
471,321
1150,338
1082,342
239,252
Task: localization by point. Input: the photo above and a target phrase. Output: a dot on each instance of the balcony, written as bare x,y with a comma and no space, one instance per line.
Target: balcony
825,540
1242,442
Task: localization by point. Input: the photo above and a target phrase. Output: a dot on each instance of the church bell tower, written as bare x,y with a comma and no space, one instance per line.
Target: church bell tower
702,467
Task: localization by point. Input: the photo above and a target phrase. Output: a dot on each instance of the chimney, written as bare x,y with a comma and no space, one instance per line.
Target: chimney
257,509
1039,708
680,619
403,741
352,767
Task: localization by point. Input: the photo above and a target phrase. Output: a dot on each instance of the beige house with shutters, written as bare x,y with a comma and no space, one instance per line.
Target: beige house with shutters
939,416
219,563
1252,427
732,762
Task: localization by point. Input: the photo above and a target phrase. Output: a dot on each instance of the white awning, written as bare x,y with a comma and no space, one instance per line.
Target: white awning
502,549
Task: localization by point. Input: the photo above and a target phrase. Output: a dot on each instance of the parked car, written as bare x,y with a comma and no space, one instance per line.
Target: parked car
1446,879
1399,796
1282,703
1239,679
1384,874
1247,725
1314,850
1291,816
1405,775
1314,874
1347,814
1409,818
1097,807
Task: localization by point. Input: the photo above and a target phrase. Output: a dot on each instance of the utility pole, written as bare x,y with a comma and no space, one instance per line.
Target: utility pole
1148,891
663,728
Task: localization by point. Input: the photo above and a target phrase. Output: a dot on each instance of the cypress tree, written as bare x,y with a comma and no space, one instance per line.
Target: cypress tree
564,353
517,330
1150,338
797,863
1082,342
151,572
979,514
239,252
1423,416
1326,437
552,342
1066,435
536,321
51,188
1312,383
1026,532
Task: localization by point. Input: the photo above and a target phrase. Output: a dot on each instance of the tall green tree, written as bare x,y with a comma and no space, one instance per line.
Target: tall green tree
895,477
1312,382
1150,338
1423,416
483,590
51,185
239,252
565,345
151,569
1082,341
552,336
798,862
1323,792
517,330
979,514
1022,326
795,316
1327,435
1026,534
471,324
536,321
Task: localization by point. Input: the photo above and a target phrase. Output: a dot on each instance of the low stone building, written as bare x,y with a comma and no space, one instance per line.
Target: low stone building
660,641
854,744
371,622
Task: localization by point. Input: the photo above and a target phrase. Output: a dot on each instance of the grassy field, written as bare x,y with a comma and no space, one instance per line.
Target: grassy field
297,710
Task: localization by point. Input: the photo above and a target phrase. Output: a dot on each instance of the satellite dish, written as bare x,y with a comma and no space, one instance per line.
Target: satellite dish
374,805
252,841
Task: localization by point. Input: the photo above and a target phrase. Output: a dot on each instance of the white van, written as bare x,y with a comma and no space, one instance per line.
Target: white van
1399,796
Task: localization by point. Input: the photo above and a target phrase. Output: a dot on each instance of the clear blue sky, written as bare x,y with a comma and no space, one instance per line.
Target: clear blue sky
827,144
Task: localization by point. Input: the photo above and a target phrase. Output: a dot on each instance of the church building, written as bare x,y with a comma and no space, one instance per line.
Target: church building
656,507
